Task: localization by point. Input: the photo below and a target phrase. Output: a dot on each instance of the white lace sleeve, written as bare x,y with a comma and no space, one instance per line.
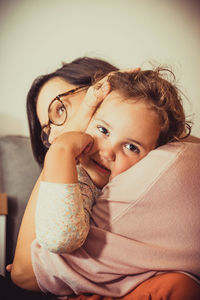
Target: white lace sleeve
63,214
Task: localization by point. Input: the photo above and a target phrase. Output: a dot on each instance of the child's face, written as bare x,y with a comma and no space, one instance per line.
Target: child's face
124,132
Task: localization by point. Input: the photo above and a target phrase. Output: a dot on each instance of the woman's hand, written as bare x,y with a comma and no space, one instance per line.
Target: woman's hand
93,98
9,268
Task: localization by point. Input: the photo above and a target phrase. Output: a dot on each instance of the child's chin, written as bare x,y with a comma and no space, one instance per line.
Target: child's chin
100,185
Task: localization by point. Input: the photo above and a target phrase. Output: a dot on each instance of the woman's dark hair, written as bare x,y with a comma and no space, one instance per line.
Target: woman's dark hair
82,71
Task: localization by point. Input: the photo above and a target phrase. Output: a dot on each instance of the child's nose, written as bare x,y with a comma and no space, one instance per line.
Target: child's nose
107,153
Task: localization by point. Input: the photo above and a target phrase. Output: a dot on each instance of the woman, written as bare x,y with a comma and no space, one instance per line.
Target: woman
22,272
80,72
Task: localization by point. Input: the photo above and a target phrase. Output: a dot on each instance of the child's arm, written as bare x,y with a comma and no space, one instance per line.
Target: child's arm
62,213
61,158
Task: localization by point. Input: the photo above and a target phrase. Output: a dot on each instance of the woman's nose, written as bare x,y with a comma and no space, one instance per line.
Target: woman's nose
54,133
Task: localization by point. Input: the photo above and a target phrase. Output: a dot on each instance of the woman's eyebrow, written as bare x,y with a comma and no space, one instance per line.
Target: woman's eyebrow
66,99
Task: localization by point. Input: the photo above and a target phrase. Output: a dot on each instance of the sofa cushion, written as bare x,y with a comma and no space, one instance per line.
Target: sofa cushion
18,173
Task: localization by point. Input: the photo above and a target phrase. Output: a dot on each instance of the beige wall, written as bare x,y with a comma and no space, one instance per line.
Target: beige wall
36,36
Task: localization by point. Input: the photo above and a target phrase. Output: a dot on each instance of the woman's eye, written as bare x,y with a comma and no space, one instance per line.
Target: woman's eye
58,113
103,130
60,110
132,148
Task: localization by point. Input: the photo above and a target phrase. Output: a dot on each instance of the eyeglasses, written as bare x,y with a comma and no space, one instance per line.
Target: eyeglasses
57,113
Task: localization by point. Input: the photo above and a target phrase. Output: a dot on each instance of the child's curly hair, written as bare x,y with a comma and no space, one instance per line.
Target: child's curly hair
161,95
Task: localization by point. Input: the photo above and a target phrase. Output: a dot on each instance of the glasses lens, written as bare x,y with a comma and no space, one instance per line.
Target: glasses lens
45,136
57,112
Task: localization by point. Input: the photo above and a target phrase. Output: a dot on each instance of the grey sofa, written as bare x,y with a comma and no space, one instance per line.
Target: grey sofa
18,174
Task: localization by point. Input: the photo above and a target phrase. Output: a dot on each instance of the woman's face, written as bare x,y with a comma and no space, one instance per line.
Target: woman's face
48,92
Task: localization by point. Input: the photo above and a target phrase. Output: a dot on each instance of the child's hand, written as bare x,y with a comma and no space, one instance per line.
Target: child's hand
74,143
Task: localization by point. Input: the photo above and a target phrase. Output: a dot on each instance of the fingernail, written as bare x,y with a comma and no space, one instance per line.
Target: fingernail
105,87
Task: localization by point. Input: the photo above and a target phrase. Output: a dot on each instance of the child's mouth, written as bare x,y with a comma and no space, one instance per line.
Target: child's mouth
101,167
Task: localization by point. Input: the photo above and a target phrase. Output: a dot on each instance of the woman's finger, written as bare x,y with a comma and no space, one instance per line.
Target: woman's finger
132,70
9,268
94,96
128,70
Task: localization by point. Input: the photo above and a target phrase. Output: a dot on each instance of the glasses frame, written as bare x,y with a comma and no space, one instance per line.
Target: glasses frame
58,97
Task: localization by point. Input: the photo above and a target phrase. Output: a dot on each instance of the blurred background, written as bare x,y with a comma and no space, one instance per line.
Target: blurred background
37,36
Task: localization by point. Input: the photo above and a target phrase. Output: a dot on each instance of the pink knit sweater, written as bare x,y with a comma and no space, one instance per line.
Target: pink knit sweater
146,221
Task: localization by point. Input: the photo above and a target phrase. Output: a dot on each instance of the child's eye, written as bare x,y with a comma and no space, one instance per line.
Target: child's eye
132,148
103,130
